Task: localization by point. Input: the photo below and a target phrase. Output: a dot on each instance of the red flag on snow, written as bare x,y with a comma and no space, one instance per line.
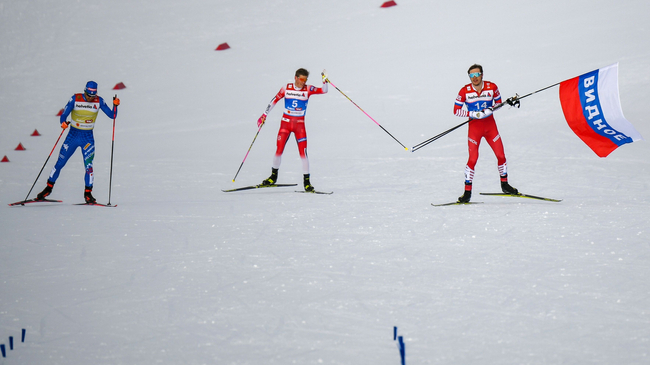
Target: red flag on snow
222,46
119,86
388,4
592,108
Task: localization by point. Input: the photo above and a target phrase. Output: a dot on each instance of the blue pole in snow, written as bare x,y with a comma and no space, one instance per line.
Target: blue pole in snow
402,350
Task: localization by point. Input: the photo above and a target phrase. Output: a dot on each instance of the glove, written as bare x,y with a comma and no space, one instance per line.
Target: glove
482,114
514,101
65,125
261,120
116,101
324,75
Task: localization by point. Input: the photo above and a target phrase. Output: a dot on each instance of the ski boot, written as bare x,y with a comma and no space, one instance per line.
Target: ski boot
506,188
308,186
271,179
47,191
88,196
467,195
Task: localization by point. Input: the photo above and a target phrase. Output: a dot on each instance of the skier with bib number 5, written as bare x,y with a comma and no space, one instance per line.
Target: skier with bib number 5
480,97
82,109
296,96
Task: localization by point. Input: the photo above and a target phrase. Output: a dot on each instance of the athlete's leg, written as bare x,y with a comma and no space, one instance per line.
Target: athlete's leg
301,139
88,150
474,136
283,137
67,149
494,140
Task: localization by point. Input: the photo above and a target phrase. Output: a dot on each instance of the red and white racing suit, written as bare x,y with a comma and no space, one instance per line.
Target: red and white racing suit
293,119
481,128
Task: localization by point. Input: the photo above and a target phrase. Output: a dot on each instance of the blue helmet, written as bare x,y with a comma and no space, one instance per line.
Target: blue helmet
91,88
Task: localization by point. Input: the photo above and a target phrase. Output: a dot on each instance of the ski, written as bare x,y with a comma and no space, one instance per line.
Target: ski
455,203
29,201
524,196
97,204
257,187
315,192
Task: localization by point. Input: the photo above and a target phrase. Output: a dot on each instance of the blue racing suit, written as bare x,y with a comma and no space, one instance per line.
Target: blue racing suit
82,122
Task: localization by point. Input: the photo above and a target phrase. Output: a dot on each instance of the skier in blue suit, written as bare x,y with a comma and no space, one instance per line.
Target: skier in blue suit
82,109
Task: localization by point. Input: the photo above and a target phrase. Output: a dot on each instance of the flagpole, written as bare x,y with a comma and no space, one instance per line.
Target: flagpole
514,101
535,92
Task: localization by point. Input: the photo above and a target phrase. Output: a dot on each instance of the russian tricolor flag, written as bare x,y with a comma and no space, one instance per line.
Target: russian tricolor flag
592,108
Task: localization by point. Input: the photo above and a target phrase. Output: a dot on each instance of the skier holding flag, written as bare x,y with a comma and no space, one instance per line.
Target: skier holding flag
480,97
83,109
296,96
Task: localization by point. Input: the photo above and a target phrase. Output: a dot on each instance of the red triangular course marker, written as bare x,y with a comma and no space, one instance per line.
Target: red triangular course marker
5,159
60,113
35,134
222,47
20,147
388,4
119,86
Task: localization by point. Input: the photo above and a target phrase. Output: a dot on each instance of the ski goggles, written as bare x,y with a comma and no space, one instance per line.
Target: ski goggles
475,74
303,79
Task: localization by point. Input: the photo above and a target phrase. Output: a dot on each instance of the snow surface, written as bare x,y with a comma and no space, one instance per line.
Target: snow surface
182,273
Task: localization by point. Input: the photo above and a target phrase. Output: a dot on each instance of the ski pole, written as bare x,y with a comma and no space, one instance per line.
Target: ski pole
249,150
110,179
434,138
48,158
355,104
